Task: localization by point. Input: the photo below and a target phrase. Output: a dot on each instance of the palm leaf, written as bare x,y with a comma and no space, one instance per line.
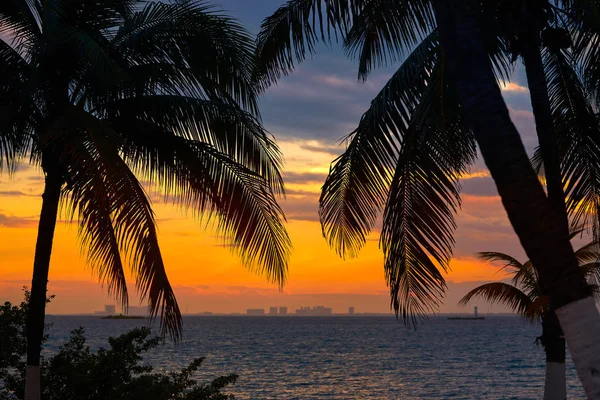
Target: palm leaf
384,29
503,294
355,191
198,175
291,33
227,128
418,223
588,253
495,257
92,150
17,113
579,144
20,20
216,51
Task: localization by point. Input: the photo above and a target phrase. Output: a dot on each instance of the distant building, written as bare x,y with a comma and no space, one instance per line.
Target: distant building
282,310
350,310
110,309
255,311
317,311
475,311
273,311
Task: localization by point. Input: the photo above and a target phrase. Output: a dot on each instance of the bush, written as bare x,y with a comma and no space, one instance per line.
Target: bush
77,373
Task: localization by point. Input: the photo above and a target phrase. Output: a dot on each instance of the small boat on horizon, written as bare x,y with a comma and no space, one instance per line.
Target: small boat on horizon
475,316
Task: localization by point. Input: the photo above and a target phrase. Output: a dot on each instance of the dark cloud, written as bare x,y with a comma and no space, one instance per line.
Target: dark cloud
10,221
304,177
479,186
17,193
333,150
301,208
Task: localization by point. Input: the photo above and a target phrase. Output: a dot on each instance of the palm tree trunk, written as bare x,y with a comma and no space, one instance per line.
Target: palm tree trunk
555,387
39,282
544,124
541,230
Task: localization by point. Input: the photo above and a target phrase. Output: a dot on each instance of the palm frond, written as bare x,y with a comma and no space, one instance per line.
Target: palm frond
17,110
20,21
587,253
355,191
212,52
227,128
88,198
584,27
526,277
212,182
503,294
291,33
578,132
384,29
495,257
418,223
92,151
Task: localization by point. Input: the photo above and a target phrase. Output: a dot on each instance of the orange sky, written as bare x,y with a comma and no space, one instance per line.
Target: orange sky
205,274
307,112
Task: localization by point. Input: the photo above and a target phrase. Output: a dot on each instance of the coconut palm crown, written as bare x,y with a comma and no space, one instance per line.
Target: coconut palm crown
523,294
405,159
102,94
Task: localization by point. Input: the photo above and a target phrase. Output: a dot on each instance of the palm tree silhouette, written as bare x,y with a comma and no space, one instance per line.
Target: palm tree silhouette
418,137
525,296
100,94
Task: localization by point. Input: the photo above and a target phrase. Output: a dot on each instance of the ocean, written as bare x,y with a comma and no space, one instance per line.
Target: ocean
349,357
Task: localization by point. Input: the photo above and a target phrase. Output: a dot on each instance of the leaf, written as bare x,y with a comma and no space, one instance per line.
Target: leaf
356,189
197,175
504,294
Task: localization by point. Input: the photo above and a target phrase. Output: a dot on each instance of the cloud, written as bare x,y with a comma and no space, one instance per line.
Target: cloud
304,177
512,87
10,221
302,208
17,193
333,150
479,186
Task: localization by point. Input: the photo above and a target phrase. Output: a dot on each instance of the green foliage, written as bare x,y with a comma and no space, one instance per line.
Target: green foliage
117,372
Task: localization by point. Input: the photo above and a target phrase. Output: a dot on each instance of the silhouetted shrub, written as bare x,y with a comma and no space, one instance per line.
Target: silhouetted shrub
117,372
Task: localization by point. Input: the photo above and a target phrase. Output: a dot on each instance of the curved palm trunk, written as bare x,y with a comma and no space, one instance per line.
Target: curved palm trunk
544,124
39,282
555,386
541,230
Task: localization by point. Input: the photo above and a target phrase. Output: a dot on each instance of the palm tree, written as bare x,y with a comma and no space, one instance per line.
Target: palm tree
418,136
535,220
101,93
525,296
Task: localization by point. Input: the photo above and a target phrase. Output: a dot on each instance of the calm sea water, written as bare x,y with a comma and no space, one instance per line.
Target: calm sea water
350,357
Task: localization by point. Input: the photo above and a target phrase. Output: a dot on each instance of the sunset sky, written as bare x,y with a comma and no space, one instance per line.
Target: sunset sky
307,113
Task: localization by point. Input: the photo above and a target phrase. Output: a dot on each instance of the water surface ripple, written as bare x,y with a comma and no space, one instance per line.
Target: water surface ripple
350,357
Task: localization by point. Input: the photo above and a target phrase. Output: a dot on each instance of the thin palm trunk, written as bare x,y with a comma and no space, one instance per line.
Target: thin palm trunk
555,387
544,124
540,228
39,283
